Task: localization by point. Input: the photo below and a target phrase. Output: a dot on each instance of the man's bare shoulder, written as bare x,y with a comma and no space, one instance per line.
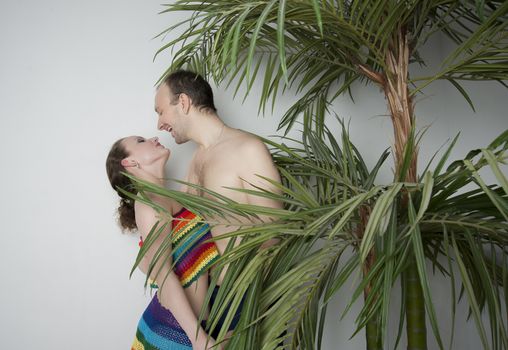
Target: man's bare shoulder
247,145
253,162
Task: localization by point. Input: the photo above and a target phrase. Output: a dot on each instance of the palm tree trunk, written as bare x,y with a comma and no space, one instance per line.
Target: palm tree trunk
394,83
402,116
400,102
372,333
416,329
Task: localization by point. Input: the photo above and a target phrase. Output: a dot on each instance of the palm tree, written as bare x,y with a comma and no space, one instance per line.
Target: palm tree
332,203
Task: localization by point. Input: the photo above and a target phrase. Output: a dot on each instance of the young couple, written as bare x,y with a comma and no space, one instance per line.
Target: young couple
225,158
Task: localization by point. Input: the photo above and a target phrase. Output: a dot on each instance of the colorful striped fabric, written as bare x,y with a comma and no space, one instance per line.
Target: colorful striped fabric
158,328
191,254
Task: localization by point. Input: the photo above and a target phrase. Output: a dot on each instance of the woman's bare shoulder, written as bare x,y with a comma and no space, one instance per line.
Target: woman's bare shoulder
146,217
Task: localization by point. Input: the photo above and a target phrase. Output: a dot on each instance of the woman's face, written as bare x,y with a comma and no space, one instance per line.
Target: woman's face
145,151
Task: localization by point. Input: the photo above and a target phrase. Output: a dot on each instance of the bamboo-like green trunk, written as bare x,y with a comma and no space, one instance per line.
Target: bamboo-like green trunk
373,335
415,309
372,331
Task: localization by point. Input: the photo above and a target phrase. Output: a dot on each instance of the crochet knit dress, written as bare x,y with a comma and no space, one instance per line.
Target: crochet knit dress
192,256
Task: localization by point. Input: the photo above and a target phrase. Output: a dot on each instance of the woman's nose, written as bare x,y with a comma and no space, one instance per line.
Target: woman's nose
154,139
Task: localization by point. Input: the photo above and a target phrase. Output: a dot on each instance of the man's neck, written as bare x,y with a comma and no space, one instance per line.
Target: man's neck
207,130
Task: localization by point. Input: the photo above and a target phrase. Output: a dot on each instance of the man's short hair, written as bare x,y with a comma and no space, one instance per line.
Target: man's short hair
194,86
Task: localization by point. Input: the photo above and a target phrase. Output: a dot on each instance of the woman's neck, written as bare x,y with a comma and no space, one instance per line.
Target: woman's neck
157,175
153,174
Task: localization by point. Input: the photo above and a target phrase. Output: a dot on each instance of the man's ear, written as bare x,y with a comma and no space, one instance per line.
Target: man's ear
185,102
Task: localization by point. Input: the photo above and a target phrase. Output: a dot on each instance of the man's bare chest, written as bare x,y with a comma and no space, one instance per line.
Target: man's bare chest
215,173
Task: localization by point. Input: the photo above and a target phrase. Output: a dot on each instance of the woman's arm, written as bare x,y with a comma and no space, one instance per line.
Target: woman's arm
171,293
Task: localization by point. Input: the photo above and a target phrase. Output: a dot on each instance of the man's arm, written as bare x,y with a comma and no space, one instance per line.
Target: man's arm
258,161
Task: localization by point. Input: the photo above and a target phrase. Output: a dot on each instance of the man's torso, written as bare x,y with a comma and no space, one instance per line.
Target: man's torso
220,167
238,156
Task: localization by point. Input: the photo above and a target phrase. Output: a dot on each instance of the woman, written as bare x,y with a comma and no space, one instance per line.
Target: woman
170,321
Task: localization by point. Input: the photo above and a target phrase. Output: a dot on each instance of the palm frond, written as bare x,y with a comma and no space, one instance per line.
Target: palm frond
482,51
321,48
286,287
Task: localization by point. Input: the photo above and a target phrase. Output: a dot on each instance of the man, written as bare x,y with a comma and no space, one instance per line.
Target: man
225,158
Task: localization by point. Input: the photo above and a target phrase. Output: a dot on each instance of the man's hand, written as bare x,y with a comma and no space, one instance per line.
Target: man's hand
205,343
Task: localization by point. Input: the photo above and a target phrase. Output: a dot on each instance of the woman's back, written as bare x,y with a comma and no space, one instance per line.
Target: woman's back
191,262
171,319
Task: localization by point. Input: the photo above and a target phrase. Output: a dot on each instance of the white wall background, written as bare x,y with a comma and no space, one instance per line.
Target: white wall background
77,75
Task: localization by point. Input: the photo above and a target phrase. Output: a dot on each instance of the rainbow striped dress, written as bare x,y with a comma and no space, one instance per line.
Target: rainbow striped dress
192,256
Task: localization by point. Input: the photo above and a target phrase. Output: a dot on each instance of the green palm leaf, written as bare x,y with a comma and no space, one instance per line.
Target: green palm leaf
331,200
284,285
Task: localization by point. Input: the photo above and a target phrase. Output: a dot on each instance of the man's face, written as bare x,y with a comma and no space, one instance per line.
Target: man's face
171,117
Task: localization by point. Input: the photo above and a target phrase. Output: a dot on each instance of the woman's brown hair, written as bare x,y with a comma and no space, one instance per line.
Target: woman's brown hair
114,168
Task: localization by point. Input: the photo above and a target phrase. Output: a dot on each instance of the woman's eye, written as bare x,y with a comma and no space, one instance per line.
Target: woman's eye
141,140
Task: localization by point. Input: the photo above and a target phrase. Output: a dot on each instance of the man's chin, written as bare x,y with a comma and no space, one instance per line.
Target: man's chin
180,141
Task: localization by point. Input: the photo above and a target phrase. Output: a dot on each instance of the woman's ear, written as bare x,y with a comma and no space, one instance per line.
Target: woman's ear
129,163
